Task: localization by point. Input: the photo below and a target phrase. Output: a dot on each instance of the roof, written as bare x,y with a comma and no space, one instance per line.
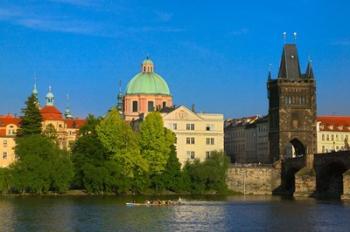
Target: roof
334,123
50,113
75,123
290,67
147,83
9,119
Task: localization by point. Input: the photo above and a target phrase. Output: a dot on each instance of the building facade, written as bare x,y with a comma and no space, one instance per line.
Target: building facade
333,133
8,130
292,108
197,134
246,139
66,128
147,91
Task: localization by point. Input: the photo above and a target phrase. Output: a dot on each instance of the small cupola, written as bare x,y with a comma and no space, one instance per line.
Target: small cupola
147,66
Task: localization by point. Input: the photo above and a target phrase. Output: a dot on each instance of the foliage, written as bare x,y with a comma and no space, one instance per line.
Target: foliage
155,142
207,176
31,119
119,139
50,132
4,180
41,167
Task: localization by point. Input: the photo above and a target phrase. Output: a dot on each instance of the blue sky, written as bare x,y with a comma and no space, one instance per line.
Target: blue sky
214,54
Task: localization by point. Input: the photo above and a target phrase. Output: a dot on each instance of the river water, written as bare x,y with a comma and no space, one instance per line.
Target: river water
196,214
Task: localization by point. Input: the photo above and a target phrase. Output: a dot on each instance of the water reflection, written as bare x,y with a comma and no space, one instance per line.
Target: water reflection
222,214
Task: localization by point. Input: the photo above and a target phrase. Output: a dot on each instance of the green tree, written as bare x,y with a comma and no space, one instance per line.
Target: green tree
50,132
207,176
155,142
41,167
120,140
31,119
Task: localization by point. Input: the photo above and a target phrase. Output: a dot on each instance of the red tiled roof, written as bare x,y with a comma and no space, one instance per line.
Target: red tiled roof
334,123
9,119
75,123
2,132
51,113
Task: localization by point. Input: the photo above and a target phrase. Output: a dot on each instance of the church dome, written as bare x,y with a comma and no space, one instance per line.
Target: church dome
147,81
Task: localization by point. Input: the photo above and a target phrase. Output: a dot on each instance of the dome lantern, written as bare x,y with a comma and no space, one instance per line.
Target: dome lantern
147,66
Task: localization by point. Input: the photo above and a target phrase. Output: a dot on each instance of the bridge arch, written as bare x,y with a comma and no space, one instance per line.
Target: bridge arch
295,149
329,180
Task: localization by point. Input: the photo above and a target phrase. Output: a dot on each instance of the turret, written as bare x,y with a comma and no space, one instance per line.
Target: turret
50,98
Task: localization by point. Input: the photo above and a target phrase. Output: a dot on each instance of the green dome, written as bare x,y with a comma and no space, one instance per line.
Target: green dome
147,83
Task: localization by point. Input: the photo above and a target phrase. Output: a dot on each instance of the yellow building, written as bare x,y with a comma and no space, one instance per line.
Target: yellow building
66,128
197,134
8,128
333,133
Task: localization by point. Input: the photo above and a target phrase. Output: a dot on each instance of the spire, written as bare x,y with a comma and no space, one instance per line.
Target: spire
289,67
35,90
67,112
120,98
50,98
309,70
147,66
269,75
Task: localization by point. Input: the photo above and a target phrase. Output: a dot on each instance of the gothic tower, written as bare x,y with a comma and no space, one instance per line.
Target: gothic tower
292,108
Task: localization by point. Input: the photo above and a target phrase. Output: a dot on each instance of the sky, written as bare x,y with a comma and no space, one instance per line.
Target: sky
214,54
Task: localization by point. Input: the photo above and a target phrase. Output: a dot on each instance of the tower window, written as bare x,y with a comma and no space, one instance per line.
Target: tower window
150,106
135,106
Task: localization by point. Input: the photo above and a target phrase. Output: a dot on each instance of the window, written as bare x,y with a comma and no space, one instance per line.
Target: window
332,136
210,141
327,137
4,155
207,154
5,143
322,137
189,126
190,140
150,106
174,126
164,104
191,155
135,106
209,127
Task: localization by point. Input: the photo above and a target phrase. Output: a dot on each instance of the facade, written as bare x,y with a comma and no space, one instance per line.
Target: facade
197,134
246,139
292,108
8,129
333,133
146,92
66,128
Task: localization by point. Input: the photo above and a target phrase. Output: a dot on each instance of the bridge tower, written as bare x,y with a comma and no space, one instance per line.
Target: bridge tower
292,109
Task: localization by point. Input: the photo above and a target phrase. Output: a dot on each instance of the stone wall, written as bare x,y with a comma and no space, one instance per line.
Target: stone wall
253,179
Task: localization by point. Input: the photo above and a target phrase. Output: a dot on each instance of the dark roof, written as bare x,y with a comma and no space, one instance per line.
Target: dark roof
290,67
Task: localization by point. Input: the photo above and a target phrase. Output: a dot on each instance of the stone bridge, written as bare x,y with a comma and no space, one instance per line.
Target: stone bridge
327,175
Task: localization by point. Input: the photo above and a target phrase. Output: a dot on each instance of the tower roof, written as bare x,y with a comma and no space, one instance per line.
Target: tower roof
309,71
290,67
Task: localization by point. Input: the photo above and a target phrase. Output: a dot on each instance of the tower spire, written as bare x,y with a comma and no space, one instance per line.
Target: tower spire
309,70
50,98
67,112
269,75
120,98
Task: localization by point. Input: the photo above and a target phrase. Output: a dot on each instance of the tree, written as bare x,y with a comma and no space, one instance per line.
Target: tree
50,132
120,140
155,142
41,167
207,176
31,119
